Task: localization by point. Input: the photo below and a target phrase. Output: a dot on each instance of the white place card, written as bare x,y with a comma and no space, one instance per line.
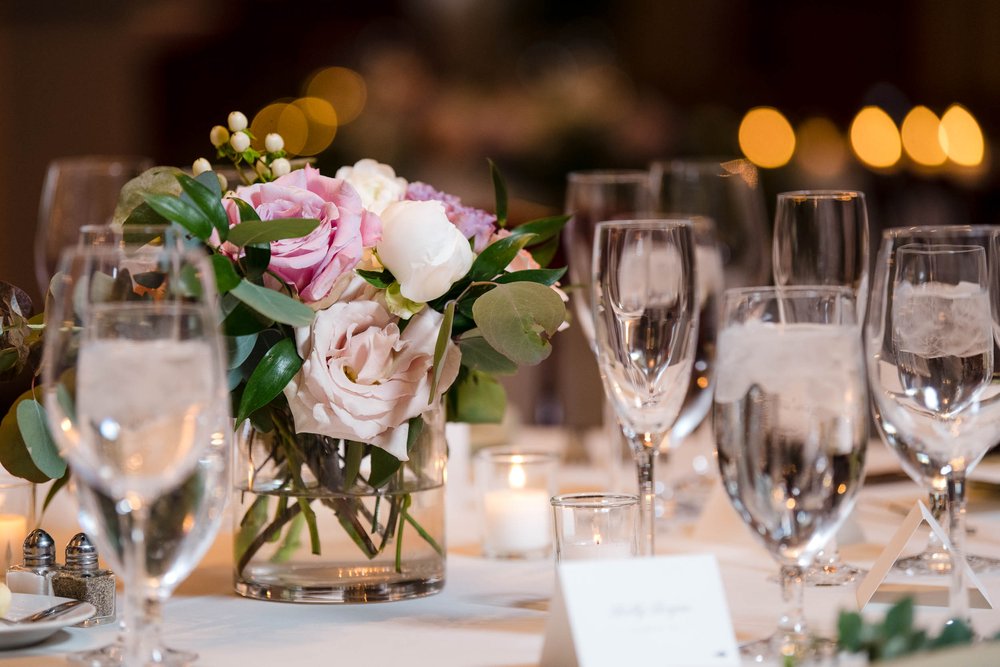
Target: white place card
663,610
874,588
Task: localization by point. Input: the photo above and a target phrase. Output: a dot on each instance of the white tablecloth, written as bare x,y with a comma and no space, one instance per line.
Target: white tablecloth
491,613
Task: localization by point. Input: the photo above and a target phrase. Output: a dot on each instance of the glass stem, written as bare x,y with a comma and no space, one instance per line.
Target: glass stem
645,457
792,625
140,630
938,501
958,599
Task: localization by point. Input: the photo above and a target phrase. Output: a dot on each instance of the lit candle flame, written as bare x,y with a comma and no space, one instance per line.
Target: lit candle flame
516,477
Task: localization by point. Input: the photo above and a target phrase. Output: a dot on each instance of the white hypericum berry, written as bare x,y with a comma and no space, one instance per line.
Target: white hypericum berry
240,141
218,136
273,142
280,167
237,121
200,166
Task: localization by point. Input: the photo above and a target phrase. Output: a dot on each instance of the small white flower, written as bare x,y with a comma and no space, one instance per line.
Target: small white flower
240,141
237,121
218,136
200,166
273,142
280,167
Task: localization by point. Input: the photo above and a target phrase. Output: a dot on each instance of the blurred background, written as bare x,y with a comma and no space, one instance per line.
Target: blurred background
898,99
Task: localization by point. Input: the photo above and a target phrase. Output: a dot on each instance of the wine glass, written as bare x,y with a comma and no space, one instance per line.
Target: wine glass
136,397
821,238
791,420
78,191
723,197
931,363
645,324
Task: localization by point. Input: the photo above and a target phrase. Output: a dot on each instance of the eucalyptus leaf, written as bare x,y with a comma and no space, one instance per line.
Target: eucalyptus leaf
239,348
476,398
383,466
41,447
210,179
496,256
274,305
206,200
183,213
157,180
264,231
513,318
14,454
226,277
144,215
500,193
275,370
478,355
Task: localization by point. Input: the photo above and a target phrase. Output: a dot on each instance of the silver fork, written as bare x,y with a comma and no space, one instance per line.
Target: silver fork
44,614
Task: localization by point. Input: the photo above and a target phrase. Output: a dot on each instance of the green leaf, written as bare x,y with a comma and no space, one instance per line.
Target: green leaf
476,398
54,489
416,429
278,366
210,180
954,632
496,256
247,212
158,180
41,447
899,618
544,253
292,541
384,466
239,348
500,192
14,454
849,626
380,279
354,453
478,355
144,215
265,231
440,347
243,320
547,277
516,319
226,277
543,228
250,526
208,202
274,305
183,213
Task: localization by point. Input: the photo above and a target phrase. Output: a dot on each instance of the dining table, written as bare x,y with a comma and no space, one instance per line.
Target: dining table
492,613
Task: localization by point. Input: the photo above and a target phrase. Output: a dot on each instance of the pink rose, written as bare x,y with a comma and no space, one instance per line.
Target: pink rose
313,262
362,378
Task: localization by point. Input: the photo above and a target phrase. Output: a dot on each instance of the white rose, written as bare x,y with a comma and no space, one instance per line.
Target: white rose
363,379
377,184
422,249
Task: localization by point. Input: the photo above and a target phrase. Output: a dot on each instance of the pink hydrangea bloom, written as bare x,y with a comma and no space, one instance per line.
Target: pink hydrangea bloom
314,262
474,223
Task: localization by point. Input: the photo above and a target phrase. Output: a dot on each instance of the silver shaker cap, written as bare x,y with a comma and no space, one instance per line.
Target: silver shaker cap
39,549
81,554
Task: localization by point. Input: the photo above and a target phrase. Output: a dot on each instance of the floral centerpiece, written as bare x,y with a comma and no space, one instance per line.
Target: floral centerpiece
361,311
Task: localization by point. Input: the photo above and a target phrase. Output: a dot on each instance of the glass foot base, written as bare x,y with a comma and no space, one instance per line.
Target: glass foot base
788,649
939,563
113,655
833,574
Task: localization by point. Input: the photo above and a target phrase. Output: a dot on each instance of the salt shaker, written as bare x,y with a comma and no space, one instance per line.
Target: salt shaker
81,578
34,575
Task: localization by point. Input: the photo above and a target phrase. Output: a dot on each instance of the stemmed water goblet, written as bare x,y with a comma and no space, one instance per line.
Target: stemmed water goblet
136,398
645,320
931,363
821,238
791,418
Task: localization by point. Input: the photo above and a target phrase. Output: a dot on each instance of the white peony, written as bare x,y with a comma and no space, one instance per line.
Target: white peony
424,251
377,184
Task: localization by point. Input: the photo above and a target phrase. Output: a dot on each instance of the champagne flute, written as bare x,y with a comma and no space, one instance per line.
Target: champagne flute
791,418
821,238
645,323
78,191
136,397
931,363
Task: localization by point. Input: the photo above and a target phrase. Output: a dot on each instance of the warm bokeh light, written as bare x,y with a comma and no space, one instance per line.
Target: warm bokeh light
920,137
875,139
961,137
343,88
820,148
766,137
285,119
322,124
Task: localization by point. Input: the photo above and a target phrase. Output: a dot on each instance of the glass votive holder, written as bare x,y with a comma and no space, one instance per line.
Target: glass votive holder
595,525
17,517
514,488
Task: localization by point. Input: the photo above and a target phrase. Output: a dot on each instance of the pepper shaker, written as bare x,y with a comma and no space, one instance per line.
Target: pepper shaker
82,579
34,574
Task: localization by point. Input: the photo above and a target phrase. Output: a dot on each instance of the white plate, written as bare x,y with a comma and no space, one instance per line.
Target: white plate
23,604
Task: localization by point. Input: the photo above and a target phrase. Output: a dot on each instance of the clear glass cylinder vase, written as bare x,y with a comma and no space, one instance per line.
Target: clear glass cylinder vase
327,520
